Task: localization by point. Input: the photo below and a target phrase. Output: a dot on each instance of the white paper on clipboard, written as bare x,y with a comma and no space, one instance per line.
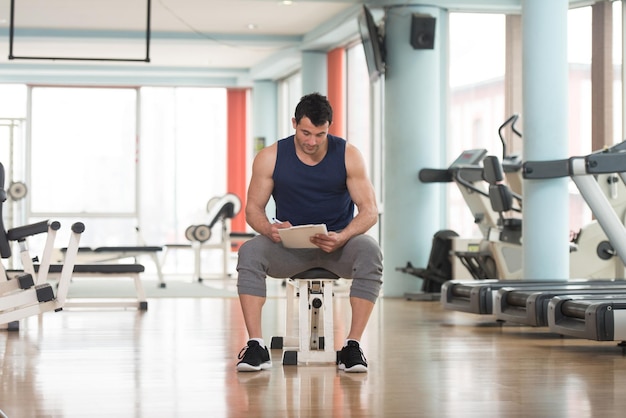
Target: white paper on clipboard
298,236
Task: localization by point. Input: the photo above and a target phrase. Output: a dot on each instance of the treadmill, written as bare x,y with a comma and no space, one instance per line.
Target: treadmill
592,315
518,302
589,316
479,297
529,306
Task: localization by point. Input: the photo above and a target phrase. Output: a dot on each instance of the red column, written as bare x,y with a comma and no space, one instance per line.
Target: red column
336,90
236,151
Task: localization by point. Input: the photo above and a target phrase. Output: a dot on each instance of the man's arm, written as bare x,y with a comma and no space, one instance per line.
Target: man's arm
362,194
259,192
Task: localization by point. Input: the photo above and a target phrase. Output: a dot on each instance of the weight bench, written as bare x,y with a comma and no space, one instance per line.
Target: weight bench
22,292
107,270
220,210
88,255
225,245
40,297
309,339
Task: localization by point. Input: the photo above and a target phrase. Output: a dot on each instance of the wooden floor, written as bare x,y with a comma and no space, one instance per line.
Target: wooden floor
178,360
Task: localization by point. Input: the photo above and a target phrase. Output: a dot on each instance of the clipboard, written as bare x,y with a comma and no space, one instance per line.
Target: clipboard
298,236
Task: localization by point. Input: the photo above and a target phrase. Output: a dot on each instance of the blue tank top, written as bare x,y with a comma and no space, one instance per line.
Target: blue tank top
307,194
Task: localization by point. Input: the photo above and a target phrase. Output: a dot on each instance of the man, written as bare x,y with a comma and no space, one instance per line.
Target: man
314,178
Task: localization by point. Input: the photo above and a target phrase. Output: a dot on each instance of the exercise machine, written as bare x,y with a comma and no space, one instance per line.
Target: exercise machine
438,270
478,297
25,293
107,271
591,316
105,262
41,297
592,249
478,257
36,273
591,253
481,257
220,211
529,305
497,254
466,171
115,254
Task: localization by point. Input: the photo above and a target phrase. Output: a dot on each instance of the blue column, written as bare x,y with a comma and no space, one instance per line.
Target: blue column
314,68
264,105
264,121
545,115
415,91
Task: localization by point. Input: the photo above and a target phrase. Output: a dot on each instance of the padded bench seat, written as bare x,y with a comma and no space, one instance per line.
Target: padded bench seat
99,268
89,255
142,249
122,270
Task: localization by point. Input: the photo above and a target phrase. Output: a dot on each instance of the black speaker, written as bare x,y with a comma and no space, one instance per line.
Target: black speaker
422,31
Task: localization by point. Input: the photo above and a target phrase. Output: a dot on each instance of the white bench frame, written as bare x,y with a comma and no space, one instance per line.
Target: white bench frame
308,339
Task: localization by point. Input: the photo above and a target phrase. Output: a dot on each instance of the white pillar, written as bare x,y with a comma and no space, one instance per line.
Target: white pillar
415,91
545,89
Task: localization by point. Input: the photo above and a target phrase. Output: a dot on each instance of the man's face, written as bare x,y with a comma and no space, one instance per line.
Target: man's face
309,138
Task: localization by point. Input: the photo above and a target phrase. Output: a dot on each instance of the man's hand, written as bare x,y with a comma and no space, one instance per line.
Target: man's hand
328,243
274,227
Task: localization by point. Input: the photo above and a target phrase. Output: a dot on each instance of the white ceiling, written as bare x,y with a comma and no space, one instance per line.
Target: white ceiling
199,40
185,35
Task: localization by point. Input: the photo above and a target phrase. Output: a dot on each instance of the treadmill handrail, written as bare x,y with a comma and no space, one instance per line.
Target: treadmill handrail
606,163
611,160
435,175
546,169
582,171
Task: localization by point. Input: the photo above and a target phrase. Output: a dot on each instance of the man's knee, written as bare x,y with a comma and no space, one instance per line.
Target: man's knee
368,258
247,249
367,267
253,251
366,246
251,277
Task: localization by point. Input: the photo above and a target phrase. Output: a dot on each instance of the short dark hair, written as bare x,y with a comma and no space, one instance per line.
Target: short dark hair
315,107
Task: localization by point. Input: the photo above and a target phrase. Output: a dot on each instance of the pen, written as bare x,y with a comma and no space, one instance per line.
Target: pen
276,221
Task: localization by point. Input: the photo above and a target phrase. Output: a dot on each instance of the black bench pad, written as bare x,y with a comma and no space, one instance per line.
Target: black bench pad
128,249
99,268
146,249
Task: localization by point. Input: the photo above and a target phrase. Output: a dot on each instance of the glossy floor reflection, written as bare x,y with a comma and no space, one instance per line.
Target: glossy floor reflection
178,360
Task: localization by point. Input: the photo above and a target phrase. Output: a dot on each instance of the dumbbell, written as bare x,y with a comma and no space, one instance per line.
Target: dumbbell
200,233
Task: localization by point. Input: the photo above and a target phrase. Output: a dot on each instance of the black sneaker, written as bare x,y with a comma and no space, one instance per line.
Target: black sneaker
351,358
253,358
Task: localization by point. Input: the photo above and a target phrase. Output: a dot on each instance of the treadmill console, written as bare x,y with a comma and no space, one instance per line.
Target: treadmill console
469,157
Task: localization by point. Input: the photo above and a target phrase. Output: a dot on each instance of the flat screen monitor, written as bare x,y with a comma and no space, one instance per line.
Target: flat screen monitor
372,44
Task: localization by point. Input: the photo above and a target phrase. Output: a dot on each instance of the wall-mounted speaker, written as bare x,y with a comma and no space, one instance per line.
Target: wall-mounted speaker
423,31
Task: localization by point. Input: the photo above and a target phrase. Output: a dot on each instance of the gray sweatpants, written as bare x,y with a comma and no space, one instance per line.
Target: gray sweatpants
360,260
